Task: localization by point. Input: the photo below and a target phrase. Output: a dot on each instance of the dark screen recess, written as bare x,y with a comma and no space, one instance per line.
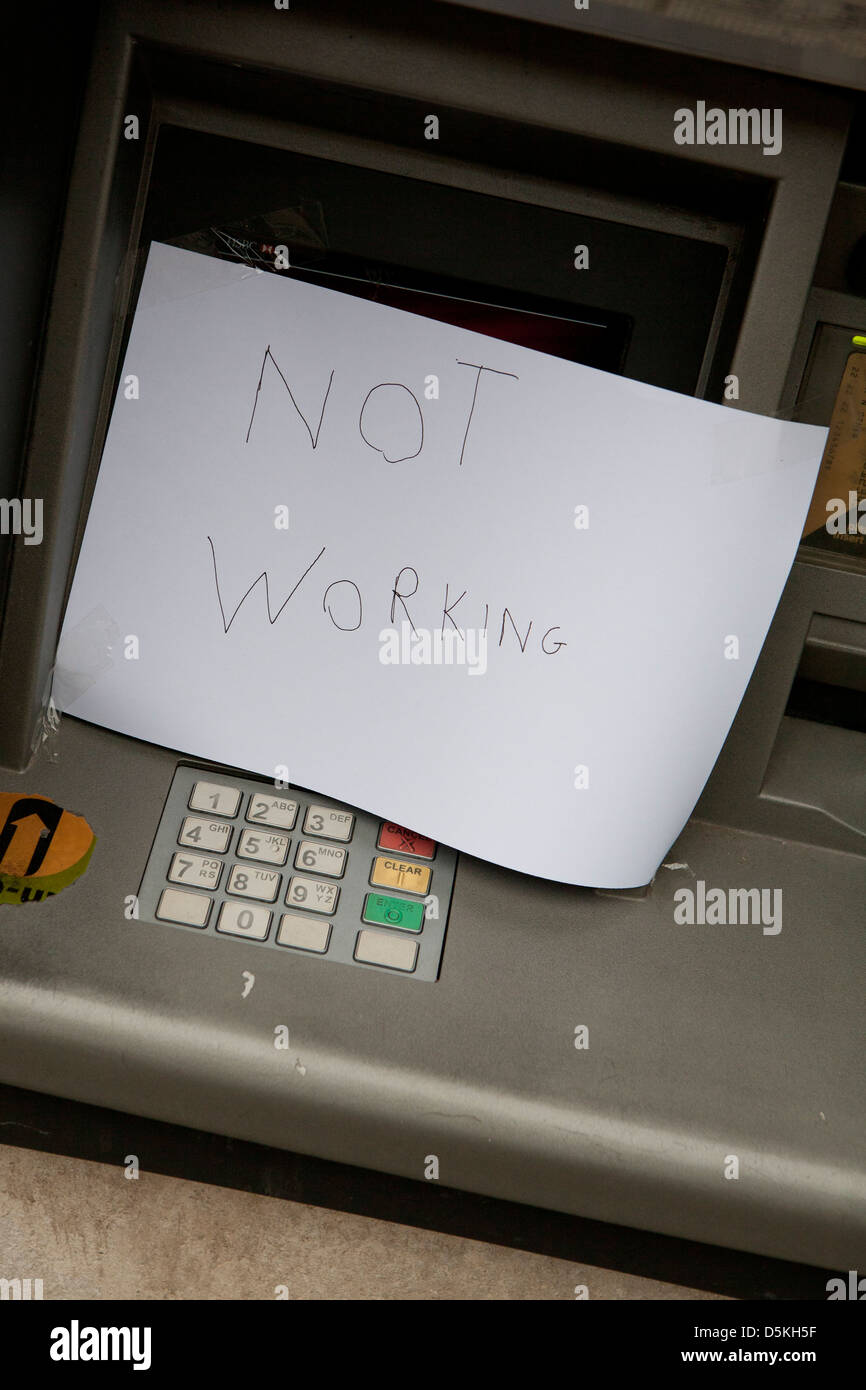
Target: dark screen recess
500,267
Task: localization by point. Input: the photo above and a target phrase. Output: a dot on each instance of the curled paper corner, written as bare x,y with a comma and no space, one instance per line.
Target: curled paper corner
43,848
85,653
643,890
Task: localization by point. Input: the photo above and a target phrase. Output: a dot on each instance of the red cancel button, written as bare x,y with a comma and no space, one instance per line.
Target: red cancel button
397,837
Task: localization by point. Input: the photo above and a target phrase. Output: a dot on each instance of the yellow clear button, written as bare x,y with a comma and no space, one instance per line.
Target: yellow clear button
400,873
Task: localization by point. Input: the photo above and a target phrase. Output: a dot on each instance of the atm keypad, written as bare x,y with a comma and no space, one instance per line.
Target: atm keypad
308,877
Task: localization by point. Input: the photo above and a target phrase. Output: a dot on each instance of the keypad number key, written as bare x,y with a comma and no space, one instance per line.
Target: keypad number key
236,919
279,812
328,822
248,882
199,833
312,894
321,859
195,871
215,799
265,846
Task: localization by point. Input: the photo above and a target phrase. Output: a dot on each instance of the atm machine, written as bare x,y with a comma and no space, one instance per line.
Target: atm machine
709,263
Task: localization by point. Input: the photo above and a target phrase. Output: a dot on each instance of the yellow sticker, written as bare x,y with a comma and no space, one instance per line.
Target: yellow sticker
842,471
42,847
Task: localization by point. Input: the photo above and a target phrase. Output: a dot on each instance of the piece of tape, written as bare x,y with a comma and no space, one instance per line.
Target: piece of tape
753,456
45,735
85,653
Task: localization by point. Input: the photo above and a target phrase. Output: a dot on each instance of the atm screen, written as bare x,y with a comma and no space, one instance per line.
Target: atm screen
594,341
612,295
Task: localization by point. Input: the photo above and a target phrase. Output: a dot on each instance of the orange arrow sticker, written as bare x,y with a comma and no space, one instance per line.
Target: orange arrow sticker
42,847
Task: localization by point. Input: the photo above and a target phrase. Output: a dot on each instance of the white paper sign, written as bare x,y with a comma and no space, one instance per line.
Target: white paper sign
507,601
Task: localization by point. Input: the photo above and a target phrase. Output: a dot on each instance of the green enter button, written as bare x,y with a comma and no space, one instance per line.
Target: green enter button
393,912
